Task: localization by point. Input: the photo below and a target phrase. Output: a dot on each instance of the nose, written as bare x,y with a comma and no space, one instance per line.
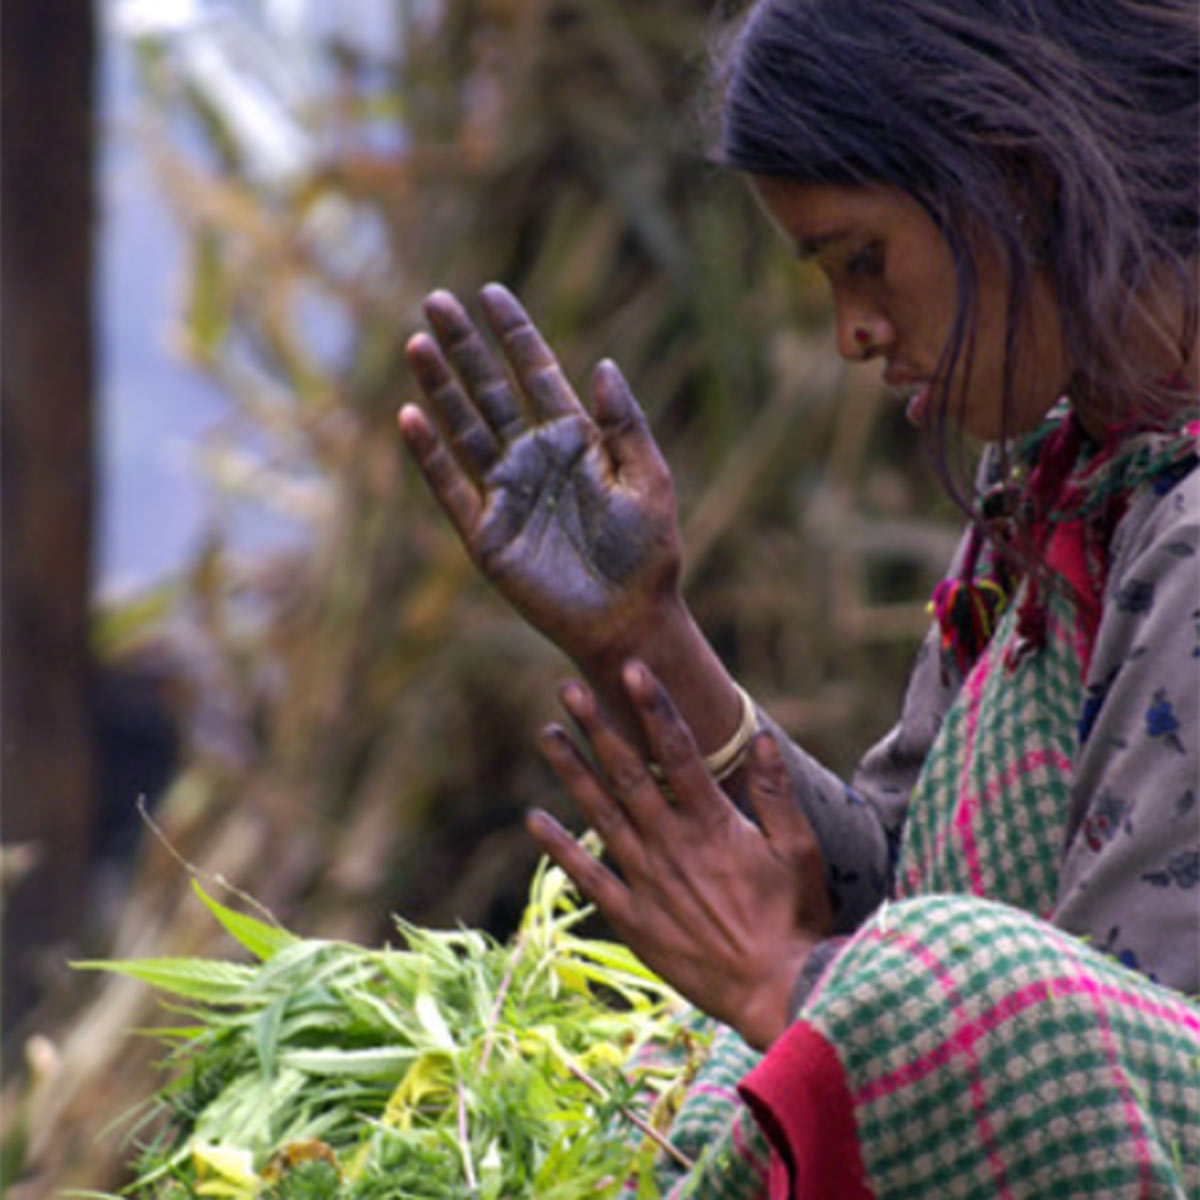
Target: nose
862,333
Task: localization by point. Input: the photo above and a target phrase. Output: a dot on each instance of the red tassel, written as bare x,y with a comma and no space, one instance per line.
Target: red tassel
967,611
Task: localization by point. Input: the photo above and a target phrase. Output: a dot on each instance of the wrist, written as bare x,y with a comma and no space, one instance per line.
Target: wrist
672,645
662,631
769,1010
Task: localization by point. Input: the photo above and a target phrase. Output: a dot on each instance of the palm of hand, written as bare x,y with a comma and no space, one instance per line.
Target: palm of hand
559,531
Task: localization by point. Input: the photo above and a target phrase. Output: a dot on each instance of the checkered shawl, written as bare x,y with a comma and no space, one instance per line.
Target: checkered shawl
985,1053
956,1048
713,1128
976,1050
980,1054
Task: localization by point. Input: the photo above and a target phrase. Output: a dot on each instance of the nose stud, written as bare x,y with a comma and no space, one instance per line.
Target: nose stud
862,339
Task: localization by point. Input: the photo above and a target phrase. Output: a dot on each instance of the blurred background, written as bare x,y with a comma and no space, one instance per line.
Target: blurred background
238,640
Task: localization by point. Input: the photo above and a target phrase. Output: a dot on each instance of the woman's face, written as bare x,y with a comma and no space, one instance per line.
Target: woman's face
895,296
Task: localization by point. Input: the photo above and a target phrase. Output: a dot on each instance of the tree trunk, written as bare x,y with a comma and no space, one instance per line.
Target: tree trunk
46,478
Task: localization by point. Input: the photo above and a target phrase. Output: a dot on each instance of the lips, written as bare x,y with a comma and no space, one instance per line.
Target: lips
915,385
917,408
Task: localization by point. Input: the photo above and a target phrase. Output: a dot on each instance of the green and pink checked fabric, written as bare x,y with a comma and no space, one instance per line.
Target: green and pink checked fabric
986,816
983,1055
712,1127
716,1131
988,1056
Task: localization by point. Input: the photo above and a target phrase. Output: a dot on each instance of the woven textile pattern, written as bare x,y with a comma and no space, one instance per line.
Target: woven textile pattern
712,1127
1020,1062
732,1155
1003,757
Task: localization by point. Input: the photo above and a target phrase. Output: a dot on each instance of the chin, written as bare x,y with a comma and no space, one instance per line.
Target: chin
977,426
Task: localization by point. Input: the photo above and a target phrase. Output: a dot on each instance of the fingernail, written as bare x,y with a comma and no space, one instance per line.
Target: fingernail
572,695
539,823
551,735
765,750
636,675
441,305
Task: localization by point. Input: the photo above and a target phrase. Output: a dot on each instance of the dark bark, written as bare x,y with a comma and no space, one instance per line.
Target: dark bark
46,476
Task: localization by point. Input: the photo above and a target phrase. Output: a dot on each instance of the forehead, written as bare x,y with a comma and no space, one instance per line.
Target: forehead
814,215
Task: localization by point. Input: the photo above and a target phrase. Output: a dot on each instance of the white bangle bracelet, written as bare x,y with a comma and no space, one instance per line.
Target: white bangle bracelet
724,762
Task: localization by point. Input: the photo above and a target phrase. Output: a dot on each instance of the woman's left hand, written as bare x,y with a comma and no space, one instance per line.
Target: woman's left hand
723,910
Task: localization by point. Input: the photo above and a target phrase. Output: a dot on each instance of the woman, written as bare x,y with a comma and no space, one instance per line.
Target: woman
968,971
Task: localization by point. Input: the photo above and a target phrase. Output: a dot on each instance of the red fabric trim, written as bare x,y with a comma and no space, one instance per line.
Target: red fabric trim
799,1097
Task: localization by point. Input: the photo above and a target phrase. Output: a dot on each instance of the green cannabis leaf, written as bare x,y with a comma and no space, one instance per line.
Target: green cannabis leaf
449,1066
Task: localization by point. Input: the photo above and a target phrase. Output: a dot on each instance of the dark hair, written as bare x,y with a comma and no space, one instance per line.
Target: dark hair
1068,128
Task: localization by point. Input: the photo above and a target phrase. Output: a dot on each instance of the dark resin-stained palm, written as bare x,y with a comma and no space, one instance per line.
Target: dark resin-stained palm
569,513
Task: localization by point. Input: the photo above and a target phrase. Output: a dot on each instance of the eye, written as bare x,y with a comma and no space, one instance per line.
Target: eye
866,263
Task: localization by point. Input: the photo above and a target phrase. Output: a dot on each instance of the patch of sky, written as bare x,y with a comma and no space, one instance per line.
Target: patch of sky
259,66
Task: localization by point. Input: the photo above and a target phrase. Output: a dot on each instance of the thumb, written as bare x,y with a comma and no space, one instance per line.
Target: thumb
623,426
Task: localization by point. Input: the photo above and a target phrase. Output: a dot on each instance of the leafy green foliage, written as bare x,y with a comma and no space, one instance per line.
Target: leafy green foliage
450,1066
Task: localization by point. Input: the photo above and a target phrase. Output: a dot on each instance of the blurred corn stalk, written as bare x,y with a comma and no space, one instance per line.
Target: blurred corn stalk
360,711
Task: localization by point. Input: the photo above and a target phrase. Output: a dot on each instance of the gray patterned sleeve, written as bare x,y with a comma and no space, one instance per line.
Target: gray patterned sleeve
858,825
1131,871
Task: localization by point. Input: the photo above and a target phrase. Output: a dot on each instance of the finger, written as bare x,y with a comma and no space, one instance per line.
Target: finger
471,438
594,880
534,363
476,364
621,763
598,808
769,790
622,423
671,744
451,486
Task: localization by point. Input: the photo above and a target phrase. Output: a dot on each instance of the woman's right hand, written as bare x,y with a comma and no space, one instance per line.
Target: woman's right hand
570,513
